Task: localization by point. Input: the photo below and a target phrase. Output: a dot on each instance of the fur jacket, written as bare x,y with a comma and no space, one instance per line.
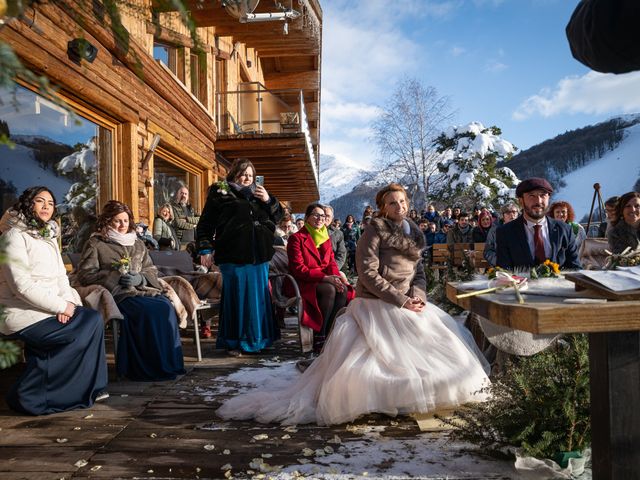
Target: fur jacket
389,262
623,235
96,266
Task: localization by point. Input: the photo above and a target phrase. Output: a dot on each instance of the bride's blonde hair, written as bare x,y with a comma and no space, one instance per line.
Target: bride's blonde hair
392,187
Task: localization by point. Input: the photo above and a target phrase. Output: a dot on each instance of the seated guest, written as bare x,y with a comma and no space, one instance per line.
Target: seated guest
185,218
563,211
625,230
610,209
149,347
163,231
479,232
533,238
431,215
336,236
461,232
64,342
509,212
299,223
351,233
284,229
446,216
455,213
312,263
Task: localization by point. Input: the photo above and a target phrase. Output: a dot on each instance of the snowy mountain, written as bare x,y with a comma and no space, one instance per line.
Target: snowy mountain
617,172
607,153
338,175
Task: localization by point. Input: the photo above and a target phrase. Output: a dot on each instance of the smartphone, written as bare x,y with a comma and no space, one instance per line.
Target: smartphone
260,180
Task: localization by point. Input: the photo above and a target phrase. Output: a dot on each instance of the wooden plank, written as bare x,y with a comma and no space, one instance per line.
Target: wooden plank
587,283
542,314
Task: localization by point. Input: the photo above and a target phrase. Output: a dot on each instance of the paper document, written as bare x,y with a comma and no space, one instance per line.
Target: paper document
616,280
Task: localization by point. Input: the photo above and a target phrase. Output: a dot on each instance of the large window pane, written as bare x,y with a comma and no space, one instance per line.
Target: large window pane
67,153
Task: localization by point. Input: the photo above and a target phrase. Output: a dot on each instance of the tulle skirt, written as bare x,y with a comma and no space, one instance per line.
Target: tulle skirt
378,358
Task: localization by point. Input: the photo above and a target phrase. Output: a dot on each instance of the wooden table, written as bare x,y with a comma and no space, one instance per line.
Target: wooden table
614,359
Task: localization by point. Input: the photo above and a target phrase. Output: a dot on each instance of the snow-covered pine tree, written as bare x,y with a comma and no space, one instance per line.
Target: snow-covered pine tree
471,162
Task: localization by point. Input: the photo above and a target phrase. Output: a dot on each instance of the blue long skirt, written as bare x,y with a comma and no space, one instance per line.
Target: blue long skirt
66,365
149,347
246,321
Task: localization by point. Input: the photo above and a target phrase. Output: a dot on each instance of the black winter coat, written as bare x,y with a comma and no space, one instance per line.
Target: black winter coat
243,229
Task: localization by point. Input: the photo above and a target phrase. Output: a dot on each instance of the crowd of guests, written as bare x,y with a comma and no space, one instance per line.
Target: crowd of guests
241,226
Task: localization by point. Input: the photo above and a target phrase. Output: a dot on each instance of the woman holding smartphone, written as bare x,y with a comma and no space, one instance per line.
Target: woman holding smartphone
391,351
242,216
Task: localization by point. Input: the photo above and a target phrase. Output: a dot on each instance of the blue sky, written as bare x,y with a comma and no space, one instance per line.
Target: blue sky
501,62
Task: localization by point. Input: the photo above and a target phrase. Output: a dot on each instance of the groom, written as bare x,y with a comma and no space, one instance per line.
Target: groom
533,237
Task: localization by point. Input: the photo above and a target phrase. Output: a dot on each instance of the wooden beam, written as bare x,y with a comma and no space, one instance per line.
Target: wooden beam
309,80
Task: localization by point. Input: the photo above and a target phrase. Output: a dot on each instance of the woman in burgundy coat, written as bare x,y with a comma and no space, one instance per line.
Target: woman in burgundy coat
311,262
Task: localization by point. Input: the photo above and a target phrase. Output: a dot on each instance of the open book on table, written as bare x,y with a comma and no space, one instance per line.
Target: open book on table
620,280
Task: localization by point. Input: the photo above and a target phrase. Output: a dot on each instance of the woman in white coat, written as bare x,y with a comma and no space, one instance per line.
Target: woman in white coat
64,342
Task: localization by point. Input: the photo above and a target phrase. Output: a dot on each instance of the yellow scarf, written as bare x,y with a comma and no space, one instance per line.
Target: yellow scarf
318,235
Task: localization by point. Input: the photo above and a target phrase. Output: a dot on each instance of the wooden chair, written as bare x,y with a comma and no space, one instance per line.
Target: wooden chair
179,263
440,258
479,261
458,253
279,276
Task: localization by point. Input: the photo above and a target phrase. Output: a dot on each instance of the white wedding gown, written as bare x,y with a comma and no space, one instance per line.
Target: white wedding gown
378,358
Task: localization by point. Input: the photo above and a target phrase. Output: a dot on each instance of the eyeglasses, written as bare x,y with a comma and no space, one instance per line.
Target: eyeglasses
318,215
513,212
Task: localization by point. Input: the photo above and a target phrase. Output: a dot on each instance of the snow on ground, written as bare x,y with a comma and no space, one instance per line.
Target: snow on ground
616,172
372,455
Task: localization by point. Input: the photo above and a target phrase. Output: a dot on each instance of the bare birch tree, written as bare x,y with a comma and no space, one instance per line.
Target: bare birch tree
405,133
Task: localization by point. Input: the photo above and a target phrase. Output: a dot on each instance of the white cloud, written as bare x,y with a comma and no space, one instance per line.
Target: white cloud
456,51
593,93
494,66
350,112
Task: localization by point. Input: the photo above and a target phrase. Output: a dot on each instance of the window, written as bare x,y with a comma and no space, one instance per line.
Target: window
171,56
169,177
57,148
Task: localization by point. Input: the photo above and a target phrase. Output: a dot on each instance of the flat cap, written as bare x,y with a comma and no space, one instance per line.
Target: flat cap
533,183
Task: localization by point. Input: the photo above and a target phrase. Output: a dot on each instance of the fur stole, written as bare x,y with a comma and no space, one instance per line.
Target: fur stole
391,235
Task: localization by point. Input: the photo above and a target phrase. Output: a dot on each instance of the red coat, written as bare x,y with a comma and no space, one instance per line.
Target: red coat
309,265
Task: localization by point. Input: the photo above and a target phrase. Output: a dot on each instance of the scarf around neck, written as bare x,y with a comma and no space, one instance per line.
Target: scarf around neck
124,239
244,191
318,235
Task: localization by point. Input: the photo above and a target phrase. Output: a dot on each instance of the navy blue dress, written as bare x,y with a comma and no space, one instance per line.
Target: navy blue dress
66,365
149,347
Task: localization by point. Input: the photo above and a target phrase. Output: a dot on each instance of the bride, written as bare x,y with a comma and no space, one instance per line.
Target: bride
391,352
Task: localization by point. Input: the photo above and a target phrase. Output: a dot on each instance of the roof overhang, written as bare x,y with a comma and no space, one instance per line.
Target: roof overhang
284,160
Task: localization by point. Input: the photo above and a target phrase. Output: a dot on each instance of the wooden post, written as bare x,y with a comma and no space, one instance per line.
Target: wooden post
614,360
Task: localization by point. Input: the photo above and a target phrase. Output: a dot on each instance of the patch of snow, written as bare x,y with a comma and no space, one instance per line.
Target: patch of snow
616,172
338,176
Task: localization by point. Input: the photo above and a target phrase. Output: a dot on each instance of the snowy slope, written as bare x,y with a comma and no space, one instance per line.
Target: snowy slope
616,171
338,175
19,166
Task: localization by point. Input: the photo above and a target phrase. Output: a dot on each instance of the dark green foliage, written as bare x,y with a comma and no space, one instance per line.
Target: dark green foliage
4,129
9,351
540,404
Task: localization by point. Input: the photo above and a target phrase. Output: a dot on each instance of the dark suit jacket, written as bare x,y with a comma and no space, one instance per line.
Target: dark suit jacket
513,250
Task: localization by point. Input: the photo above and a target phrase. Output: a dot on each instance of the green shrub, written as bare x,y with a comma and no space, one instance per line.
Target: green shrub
540,404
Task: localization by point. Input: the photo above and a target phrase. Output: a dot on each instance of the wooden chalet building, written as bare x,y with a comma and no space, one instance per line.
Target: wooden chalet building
167,111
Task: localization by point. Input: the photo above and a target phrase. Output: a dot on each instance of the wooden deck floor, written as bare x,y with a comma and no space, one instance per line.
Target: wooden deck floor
165,430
